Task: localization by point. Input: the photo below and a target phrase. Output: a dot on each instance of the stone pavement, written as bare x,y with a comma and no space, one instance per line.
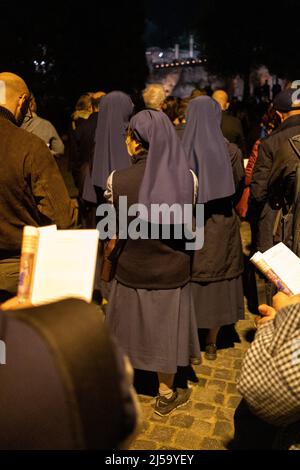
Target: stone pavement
206,421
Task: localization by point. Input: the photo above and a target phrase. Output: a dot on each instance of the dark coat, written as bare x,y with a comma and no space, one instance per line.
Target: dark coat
32,191
221,256
148,264
264,205
233,131
283,174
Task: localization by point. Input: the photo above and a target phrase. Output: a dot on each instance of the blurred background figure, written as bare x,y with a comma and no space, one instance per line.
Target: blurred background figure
83,109
170,107
154,96
231,126
43,129
84,143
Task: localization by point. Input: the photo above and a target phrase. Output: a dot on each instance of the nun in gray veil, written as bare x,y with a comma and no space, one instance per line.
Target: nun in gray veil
110,147
217,268
110,154
149,309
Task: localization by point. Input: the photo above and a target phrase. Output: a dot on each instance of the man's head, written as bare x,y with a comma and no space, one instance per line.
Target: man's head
287,103
154,96
15,95
198,92
221,97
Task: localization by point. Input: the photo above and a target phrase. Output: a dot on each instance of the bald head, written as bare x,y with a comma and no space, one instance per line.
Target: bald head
14,94
221,97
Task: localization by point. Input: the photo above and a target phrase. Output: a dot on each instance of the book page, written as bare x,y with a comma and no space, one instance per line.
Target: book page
285,264
65,265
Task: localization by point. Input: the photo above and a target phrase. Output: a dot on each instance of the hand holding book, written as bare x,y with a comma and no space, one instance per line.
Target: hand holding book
281,266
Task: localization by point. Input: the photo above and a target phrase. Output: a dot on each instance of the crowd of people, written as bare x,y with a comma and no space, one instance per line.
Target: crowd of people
170,151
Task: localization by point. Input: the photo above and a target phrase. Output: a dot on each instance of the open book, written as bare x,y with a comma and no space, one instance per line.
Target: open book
281,266
57,264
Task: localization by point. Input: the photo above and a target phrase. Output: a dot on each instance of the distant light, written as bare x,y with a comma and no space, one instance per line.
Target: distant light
161,54
43,62
35,62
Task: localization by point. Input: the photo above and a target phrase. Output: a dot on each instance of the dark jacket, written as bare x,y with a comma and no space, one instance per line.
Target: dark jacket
221,256
32,191
282,177
83,149
148,264
264,202
233,131
57,396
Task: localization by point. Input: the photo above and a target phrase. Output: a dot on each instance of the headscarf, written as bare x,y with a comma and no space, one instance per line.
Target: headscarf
110,148
167,178
207,151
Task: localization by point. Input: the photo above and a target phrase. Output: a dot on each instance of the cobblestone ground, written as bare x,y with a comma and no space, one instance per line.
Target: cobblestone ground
206,421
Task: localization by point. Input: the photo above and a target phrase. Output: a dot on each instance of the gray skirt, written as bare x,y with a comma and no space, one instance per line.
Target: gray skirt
218,303
156,328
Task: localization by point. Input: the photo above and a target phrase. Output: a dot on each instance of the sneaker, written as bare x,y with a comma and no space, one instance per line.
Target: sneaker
211,352
165,406
195,361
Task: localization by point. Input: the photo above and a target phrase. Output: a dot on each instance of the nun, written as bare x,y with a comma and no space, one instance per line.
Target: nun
110,154
149,309
217,288
110,148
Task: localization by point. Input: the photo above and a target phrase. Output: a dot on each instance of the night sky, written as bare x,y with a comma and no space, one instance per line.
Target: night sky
101,46
167,20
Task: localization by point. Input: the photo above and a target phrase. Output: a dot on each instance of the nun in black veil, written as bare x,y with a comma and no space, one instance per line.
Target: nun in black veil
149,309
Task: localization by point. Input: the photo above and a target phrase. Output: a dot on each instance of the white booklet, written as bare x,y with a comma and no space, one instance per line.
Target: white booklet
280,265
57,264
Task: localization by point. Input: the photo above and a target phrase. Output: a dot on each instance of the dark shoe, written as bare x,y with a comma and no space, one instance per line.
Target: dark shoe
211,352
165,406
195,361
